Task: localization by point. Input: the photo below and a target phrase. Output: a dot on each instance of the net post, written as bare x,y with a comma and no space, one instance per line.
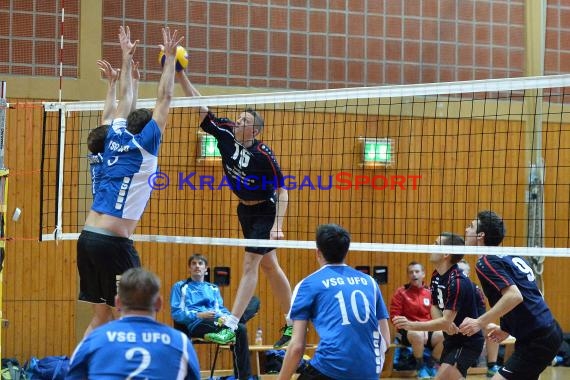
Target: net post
3,202
61,108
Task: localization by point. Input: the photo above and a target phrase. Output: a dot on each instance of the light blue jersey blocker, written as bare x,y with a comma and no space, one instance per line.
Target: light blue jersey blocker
134,347
128,161
95,168
344,305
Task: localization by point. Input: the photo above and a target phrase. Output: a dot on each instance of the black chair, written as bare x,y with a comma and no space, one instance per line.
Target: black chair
181,327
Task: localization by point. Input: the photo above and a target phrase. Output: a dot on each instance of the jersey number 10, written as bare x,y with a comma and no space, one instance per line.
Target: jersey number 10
354,306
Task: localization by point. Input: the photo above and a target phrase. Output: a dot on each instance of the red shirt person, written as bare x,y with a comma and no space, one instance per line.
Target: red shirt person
413,301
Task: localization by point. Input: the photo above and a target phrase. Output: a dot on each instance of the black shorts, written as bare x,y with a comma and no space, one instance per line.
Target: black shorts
311,373
256,223
533,354
462,354
406,342
101,259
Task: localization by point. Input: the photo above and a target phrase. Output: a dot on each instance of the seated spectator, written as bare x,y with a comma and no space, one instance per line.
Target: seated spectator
135,345
196,306
413,301
491,347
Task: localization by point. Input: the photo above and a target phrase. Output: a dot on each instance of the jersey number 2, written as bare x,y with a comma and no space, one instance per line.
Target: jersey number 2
354,306
145,360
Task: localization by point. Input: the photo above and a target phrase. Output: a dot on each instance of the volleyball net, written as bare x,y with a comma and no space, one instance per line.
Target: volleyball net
395,165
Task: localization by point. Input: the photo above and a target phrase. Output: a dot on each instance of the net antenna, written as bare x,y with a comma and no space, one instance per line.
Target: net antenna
61,50
535,193
535,38
3,108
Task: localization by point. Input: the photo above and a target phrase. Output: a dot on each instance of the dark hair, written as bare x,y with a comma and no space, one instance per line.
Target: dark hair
137,120
96,139
197,256
258,122
449,238
138,289
333,241
415,263
492,226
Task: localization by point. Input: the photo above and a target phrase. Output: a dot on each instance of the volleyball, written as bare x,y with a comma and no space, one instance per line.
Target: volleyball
181,58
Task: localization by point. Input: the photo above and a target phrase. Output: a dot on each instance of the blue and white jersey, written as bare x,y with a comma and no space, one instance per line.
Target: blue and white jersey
189,298
128,161
95,169
499,272
134,347
344,305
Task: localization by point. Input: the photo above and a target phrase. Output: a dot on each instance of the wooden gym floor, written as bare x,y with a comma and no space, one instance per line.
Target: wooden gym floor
550,373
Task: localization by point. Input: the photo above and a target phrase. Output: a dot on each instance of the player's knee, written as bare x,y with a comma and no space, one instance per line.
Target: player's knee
436,338
416,338
269,267
251,262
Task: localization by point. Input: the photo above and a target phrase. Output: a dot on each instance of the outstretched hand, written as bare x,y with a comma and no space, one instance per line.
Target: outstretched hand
170,41
108,71
127,46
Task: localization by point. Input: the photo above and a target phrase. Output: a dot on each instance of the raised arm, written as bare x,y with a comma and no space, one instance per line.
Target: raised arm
126,81
166,84
136,78
110,106
190,90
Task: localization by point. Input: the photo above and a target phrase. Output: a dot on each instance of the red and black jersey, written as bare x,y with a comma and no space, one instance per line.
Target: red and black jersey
481,302
498,272
251,173
454,291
